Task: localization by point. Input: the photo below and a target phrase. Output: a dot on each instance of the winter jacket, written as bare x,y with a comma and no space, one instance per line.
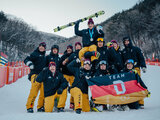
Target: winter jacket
53,58
73,56
64,68
100,73
38,60
51,82
135,53
81,75
119,64
86,39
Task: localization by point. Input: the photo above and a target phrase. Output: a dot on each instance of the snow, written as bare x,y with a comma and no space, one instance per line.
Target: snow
13,99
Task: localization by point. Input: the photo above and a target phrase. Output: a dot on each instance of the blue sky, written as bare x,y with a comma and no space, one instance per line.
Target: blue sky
45,15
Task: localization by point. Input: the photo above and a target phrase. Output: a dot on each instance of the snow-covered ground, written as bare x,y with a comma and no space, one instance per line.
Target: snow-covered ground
13,99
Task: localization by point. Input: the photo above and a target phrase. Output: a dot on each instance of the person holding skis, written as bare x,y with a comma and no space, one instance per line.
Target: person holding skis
36,62
135,53
53,56
79,88
89,37
54,86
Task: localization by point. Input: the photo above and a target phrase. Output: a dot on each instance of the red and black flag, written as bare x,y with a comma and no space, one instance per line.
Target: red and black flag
120,88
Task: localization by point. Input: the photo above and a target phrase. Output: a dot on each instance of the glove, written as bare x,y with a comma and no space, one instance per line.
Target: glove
78,60
31,67
144,70
97,54
59,91
149,94
99,27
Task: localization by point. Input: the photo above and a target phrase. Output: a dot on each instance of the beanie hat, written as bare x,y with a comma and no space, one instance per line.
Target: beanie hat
90,21
78,43
114,41
70,46
55,46
43,44
52,64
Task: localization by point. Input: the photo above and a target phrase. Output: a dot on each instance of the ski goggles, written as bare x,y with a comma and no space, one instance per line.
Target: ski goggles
100,39
130,61
87,62
103,62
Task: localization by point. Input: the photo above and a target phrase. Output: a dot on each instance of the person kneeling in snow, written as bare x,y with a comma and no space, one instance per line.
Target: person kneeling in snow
79,88
129,67
54,86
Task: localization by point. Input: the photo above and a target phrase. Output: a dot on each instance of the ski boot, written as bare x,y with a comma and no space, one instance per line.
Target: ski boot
112,108
40,109
123,108
60,110
78,111
30,110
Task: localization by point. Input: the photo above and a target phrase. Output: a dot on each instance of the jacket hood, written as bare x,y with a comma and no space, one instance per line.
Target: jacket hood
130,42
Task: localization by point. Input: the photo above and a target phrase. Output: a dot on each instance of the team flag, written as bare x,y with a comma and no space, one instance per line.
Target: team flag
120,88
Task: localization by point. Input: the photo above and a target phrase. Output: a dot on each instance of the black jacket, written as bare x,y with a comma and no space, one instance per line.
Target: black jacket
73,56
119,64
132,52
86,36
81,75
37,59
51,83
103,55
64,68
53,58
100,73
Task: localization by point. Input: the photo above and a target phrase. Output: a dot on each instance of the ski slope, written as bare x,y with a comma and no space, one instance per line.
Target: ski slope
13,99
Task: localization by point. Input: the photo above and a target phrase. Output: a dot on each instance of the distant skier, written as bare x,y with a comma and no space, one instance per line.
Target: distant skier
36,61
54,86
89,38
132,52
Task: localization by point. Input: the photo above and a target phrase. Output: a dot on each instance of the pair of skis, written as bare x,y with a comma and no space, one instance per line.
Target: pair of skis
82,20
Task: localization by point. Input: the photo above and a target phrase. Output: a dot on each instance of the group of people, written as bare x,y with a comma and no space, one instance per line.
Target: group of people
54,76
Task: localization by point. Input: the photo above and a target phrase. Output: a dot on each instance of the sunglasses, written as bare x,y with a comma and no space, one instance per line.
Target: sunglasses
100,39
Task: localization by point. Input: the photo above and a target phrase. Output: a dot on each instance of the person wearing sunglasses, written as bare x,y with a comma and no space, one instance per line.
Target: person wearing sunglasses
36,61
79,88
89,38
135,53
55,86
